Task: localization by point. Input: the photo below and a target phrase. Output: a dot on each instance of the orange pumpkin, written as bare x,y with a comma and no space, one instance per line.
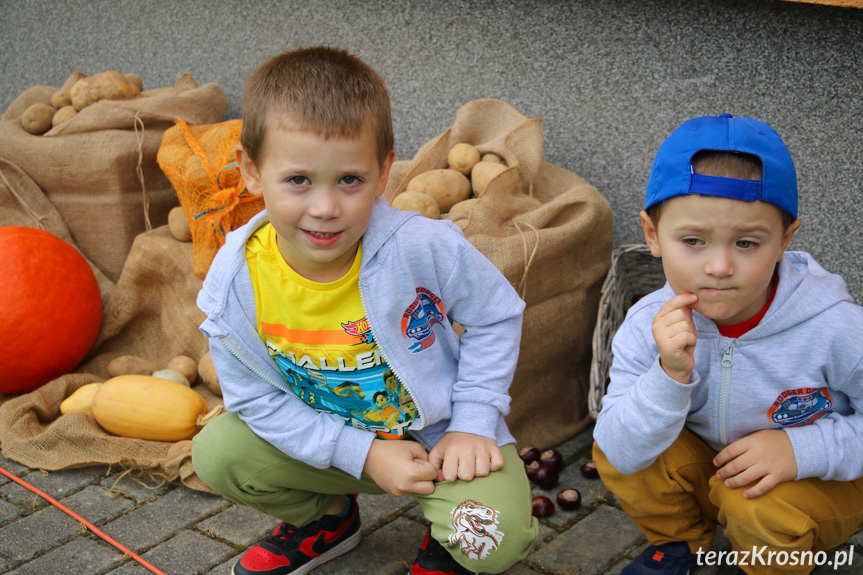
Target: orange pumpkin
50,308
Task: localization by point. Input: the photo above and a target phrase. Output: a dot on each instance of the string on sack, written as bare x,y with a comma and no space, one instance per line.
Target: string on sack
140,171
522,285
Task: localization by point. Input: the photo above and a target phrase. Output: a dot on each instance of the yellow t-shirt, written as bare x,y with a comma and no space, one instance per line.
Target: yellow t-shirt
319,337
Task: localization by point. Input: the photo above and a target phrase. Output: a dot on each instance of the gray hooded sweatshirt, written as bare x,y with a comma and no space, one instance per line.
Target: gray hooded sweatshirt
458,383
800,370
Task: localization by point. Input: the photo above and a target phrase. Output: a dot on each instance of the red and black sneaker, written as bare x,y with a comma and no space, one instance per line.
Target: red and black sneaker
433,559
298,550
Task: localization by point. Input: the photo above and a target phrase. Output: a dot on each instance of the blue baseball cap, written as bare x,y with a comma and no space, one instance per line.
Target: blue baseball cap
672,173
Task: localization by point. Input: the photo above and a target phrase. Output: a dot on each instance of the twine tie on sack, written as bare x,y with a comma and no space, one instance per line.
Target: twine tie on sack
140,171
36,217
522,285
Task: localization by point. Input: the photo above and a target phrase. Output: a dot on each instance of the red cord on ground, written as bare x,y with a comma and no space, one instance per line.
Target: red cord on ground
86,523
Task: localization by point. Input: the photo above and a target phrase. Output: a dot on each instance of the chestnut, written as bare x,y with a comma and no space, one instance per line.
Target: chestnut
531,469
551,457
546,476
589,470
569,499
529,454
541,506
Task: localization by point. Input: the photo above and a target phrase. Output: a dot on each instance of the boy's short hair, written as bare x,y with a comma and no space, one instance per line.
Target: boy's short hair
323,89
716,156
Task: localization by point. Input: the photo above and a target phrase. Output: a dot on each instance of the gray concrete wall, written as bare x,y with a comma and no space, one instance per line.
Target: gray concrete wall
610,78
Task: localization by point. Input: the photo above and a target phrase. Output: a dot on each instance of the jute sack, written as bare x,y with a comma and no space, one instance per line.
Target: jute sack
22,203
99,169
153,315
551,234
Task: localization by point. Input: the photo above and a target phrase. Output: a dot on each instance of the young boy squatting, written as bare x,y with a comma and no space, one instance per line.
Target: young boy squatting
329,319
735,390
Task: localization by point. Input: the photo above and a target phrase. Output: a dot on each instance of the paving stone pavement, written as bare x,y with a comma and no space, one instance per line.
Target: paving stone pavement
182,531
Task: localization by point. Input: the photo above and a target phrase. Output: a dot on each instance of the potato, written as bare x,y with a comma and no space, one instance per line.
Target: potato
63,114
463,207
182,448
414,201
185,365
172,375
462,157
136,80
492,157
446,187
131,364
37,118
178,224
62,97
207,371
102,86
482,174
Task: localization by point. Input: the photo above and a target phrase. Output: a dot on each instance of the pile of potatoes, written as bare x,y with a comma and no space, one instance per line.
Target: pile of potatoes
454,189
80,91
182,369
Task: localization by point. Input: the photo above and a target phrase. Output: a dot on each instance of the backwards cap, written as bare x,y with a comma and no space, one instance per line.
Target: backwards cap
672,173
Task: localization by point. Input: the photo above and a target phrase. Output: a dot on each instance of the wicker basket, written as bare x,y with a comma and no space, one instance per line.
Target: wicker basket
633,271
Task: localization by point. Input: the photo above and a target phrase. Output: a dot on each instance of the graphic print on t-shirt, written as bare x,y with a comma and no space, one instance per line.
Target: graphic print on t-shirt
356,384
321,341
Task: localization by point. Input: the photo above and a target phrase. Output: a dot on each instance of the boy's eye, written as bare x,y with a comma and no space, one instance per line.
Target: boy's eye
298,180
350,180
747,244
691,241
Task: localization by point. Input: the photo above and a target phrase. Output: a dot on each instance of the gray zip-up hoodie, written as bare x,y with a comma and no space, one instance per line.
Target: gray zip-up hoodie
800,369
458,383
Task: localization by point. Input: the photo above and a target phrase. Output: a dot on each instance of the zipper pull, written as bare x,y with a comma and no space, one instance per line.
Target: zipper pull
726,356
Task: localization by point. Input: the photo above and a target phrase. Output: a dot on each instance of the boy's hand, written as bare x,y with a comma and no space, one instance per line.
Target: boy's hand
674,332
465,456
766,455
400,467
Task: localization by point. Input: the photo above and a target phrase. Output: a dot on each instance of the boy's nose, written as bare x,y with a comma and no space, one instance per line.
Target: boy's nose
324,204
719,264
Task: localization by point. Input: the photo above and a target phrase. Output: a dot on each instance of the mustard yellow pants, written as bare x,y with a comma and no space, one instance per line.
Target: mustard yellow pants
679,498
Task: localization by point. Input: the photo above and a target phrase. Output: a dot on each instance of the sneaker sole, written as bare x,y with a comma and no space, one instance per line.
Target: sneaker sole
342,548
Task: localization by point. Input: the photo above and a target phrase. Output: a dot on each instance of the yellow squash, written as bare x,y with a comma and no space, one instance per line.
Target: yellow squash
147,407
81,400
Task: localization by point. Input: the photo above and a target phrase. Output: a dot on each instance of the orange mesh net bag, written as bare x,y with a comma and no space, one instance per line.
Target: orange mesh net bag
201,164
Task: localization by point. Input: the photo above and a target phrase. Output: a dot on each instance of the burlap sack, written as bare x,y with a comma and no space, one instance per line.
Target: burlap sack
551,234
99,168
22,203
152,314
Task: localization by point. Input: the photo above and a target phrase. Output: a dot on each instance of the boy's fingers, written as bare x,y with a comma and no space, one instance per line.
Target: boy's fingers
677,302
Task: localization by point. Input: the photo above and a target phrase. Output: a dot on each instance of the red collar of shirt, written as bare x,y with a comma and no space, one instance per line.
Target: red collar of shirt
736,331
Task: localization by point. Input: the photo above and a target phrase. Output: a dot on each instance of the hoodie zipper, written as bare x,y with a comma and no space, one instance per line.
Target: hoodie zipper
724,392
393,367
252,368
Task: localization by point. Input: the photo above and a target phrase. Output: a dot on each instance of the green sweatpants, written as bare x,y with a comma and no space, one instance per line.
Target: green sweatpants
246,469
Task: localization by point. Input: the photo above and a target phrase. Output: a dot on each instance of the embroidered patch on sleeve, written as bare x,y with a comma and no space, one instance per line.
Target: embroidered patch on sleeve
475,529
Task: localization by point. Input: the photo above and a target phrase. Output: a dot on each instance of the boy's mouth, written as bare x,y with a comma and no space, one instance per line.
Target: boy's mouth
322,239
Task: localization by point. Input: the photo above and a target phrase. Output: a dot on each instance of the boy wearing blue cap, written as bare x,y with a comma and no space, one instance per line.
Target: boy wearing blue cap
736,390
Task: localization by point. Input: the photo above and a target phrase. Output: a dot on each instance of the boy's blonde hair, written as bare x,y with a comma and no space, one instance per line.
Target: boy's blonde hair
323,89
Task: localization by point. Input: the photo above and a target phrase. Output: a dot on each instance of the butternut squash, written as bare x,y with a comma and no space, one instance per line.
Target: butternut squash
147,407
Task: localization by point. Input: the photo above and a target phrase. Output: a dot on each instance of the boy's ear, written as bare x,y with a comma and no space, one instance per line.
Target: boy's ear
786,239
650,234
249,171
385,172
